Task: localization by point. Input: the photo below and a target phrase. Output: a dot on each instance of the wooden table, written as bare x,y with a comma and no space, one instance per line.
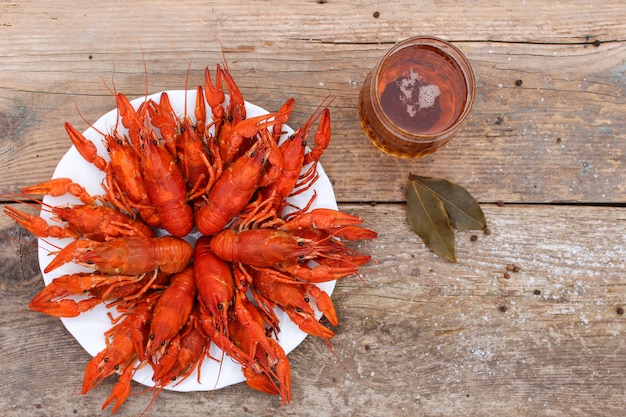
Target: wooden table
543,151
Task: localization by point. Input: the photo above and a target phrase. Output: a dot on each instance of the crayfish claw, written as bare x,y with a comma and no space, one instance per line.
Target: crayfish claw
120,391
86,148
321,218
37,225
58,187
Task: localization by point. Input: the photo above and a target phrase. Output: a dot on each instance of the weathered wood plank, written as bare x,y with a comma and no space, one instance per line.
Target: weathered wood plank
557,137
422,337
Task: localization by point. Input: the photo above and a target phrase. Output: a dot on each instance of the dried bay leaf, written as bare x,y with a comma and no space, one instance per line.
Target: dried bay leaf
463,209
435,207
429,220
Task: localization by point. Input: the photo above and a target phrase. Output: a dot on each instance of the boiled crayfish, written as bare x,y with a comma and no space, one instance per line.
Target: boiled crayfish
229,177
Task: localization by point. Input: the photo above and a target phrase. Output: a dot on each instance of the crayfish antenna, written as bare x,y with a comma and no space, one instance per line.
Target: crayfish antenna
50,251
331,348
113,91
156,392
145,71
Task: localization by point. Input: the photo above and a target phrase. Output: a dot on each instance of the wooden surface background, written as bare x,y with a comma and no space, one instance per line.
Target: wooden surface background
423,336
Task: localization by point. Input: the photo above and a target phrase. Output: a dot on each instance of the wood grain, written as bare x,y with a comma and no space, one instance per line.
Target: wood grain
422,337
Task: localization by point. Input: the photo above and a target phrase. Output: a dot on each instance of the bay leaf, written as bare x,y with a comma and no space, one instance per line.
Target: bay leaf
463,210
429,220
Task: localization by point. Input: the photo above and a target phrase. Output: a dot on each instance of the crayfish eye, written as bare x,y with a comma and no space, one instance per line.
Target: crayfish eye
105,360
116,367
152,336
229,119
155,142
292,136
220,307
163,343
119,142
306,299
300,243
303,143
298,310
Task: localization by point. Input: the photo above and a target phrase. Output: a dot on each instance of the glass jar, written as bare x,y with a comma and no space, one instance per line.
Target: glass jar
414,100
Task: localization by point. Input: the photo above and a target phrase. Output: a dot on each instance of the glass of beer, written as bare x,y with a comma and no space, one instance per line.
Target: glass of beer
414,100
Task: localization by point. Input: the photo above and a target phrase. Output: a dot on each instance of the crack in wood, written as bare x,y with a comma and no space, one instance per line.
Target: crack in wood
595,42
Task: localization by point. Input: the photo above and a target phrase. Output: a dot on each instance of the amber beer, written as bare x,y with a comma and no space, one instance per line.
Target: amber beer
411,104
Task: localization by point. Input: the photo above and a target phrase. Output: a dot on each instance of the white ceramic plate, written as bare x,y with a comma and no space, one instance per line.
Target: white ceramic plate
89,327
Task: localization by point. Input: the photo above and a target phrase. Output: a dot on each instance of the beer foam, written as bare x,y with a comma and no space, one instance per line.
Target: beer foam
427,95
412,85
407,84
